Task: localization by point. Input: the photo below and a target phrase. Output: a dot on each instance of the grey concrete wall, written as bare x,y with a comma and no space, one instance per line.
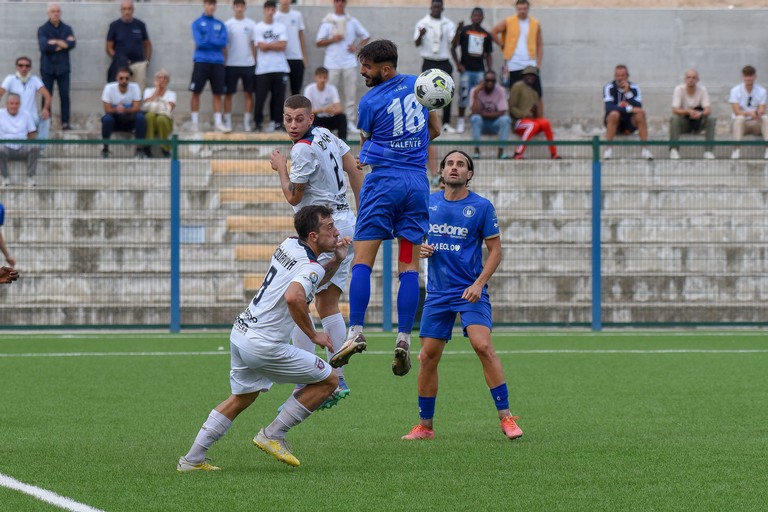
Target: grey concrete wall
581,46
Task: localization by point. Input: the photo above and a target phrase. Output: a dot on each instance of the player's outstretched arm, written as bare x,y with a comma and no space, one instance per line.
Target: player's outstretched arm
299,309
354,175
492,262
8,275
435,128
293,192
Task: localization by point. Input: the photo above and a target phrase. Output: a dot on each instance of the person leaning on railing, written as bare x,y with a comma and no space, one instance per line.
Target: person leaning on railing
158,106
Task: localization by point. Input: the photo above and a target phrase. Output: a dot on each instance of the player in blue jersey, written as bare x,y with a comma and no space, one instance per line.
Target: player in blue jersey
459,222
395,133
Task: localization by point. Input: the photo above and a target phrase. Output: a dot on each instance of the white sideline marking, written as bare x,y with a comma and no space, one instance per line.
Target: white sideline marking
46,496
389,352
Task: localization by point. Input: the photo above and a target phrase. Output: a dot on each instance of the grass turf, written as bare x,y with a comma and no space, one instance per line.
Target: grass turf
605,428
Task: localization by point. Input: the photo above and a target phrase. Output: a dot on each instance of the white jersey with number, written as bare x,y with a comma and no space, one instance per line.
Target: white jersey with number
268,314
316,162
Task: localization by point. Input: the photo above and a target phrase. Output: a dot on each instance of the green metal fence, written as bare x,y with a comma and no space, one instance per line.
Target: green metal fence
183,242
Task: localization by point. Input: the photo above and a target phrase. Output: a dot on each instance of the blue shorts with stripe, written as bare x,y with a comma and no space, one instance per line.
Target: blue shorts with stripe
439,315
394,204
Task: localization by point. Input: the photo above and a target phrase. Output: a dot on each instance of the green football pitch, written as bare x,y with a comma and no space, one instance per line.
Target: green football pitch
646,421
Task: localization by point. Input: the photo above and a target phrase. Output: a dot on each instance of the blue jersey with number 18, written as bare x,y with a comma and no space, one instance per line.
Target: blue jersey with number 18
395,126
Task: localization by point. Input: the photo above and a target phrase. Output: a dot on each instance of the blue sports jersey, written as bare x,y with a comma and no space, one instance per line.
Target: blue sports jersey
395,126
457,230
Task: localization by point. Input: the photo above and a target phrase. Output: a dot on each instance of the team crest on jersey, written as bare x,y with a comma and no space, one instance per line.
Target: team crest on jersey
319,363
313,277
469,211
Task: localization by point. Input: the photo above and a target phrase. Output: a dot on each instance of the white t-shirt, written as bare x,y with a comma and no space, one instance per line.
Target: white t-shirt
114,97
294,23
270,61
316,161
521,59
322,99
268,312
27,91
680,98
239,39
337,56
15,127
436,43
748,101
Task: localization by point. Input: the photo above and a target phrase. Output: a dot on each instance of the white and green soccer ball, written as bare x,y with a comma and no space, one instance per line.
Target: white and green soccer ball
434,89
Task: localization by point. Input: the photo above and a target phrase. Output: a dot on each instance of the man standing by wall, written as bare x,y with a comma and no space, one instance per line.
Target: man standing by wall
27,85
520,39
128,44
56,40
296,50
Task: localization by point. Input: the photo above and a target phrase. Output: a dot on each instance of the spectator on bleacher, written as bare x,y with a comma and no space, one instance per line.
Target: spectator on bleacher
342,36
56,40
691,113
128,45
241,63
122,111
3,248
488,102
524,108
272,69
433,35
748,105
27,86
520,39
210,36
16,124
296,51
476,46
624,110
158,106
326,104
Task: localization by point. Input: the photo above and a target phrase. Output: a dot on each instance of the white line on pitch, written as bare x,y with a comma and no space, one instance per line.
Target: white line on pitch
46,496
387,352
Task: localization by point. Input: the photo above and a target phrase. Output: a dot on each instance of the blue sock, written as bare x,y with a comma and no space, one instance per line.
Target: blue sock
427,407
359,293
407,300
501,397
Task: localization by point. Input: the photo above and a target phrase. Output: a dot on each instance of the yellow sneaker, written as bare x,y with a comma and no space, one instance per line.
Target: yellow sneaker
277,448
185,466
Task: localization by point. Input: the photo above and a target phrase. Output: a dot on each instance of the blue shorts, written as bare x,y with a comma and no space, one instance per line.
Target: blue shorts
439,315
394,204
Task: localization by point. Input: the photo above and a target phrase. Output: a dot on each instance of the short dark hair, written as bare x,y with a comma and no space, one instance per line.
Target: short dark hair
519,2
321,71
307,220
270,3
381,50
124,70
298,101
748,71
209,2
23,58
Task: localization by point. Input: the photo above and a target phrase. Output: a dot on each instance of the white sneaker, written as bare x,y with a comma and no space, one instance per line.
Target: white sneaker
460,125
646,154
31,183
194,127
736,154
6,182
247,128
185,466
448,129
674,154
608,154
221,127
708,155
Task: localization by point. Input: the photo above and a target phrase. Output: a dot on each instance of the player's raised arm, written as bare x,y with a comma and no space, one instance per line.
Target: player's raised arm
293,192
435,128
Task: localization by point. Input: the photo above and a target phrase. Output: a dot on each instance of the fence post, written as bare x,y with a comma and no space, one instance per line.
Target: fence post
175,313
597,193
386,287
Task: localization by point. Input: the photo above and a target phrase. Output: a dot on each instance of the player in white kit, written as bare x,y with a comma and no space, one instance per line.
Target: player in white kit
260,352
319,162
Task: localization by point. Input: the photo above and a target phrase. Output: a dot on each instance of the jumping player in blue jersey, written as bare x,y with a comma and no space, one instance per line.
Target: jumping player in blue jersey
395,133
459,222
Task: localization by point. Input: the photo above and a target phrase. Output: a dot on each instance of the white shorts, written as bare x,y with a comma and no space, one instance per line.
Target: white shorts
256,364
345,223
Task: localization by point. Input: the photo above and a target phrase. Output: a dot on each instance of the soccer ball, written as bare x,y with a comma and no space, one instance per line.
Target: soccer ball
434,89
